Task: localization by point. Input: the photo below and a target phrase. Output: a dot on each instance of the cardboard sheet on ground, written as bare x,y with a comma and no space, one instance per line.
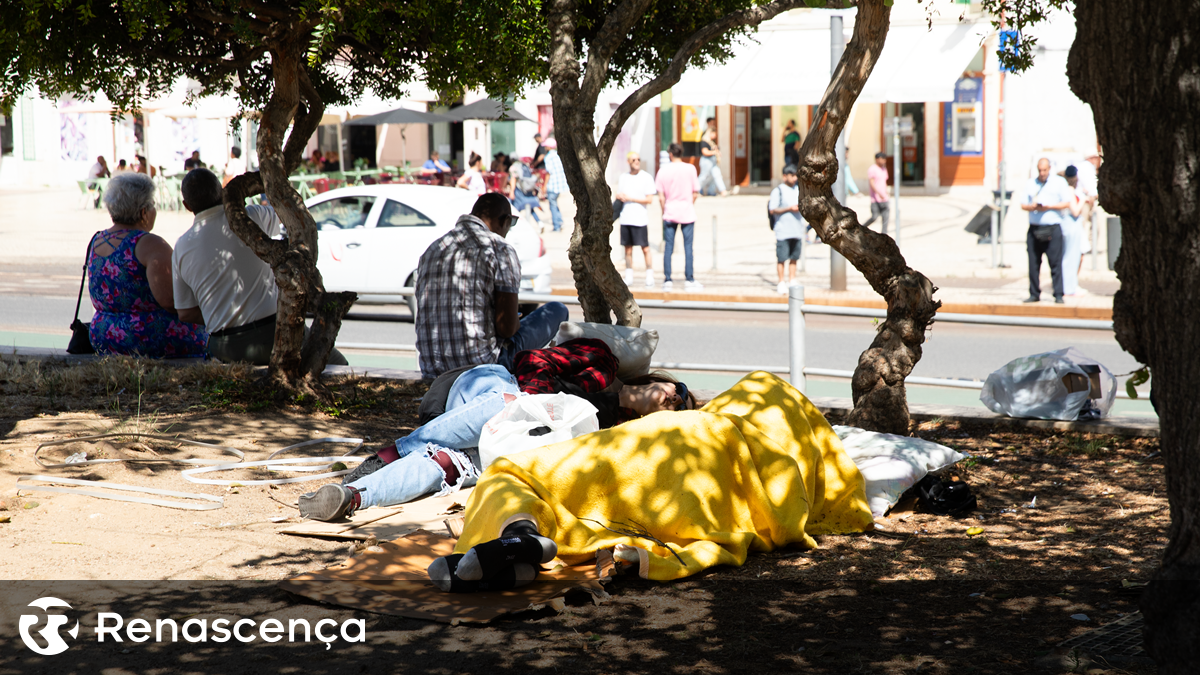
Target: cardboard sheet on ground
386,524
391,579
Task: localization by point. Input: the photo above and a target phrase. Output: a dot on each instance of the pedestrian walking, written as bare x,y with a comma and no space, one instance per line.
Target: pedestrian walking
710,161
877,177
635,191
1078,213
556,182
678,186
1045,198
791,144
789,225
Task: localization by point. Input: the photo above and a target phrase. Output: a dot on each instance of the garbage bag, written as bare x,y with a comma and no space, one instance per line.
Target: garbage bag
1051,386
534,421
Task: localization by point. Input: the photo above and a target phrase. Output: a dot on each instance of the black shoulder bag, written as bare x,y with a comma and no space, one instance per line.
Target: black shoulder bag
81,342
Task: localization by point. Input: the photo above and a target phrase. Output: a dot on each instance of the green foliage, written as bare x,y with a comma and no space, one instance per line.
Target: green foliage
1021,15
133,50
1137,378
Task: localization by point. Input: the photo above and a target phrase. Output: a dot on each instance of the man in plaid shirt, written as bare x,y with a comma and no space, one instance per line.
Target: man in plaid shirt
556,182
467,283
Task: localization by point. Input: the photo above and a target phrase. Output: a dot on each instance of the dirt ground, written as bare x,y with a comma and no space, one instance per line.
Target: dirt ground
1072,524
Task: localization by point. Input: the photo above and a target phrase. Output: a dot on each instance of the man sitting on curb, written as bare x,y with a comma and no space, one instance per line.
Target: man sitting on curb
220,282
467,283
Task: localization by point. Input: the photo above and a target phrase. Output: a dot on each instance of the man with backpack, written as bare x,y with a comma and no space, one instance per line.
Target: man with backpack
783,209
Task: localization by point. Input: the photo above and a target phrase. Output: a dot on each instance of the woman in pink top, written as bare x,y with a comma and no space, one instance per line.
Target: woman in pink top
877,177
678,186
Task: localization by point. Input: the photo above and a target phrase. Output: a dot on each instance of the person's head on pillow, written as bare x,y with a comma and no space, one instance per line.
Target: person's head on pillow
655,392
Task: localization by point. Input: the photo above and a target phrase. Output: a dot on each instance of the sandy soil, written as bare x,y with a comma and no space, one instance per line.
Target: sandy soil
999,599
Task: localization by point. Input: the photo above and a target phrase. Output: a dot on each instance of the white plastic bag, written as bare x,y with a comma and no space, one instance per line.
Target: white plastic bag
633,347
1051,386
508,432
891,464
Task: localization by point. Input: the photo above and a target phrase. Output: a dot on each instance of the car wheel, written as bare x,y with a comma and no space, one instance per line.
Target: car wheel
412,299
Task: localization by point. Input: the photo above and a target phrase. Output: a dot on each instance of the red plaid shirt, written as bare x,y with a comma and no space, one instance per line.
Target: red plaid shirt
585,362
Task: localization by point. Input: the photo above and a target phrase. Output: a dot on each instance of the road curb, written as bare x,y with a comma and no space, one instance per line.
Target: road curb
833,299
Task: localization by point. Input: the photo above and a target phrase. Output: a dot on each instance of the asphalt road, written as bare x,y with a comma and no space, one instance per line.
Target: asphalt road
710,337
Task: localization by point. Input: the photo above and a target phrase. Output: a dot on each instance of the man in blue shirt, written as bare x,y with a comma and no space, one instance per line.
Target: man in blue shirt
1045,198
434,164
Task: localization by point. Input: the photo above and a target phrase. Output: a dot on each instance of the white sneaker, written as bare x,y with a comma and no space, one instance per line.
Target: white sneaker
628,276
649,278
793,283
781,288
667,285
693,286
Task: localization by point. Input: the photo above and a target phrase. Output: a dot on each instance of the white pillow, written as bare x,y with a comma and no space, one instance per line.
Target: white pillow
633,347
891,464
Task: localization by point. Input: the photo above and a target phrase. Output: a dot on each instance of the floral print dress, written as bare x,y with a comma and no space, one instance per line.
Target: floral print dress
128,319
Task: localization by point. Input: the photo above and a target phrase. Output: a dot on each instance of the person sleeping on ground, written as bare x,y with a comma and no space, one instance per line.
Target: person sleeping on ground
435,456
755,469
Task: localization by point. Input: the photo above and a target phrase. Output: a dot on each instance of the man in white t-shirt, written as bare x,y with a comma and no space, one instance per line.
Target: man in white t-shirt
636,190
235,167
219,282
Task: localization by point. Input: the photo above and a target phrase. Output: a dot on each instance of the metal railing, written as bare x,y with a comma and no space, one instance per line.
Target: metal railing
796,309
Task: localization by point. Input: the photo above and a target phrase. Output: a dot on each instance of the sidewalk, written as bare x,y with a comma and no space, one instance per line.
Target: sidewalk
932,240
47,227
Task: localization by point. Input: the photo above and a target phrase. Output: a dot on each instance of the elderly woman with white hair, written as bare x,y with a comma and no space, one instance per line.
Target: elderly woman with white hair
129,280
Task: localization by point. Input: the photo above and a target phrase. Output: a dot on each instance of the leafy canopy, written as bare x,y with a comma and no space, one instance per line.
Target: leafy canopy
135,49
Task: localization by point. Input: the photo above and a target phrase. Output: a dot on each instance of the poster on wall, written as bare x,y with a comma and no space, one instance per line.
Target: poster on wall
962,119
73,137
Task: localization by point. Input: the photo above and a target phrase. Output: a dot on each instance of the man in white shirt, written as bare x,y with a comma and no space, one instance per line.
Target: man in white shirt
235,167
99,169
1045,198
220,283
636,190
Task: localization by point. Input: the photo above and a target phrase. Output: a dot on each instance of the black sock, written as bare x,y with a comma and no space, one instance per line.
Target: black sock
442,574
519,543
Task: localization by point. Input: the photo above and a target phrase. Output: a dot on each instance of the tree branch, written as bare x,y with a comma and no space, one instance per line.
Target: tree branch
249,184
305,123
267,9
206,13
600,51
751,16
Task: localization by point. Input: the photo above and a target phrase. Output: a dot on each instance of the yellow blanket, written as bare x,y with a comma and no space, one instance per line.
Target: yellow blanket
755,469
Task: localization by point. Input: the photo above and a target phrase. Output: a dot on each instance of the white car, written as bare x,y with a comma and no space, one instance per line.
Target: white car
371,238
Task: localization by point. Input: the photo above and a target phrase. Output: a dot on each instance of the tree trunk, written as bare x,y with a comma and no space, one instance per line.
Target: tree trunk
296,363
1138,65
880,400
602,292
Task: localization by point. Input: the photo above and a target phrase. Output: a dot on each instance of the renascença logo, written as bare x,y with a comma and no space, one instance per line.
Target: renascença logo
109,624
54,641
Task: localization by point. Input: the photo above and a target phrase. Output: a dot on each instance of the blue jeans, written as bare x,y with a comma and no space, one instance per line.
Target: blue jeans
476,397
710,172
523,201
537,328
669,240
555,214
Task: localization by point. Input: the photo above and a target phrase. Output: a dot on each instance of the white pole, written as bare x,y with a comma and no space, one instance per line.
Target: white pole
341,148
1003,167
796,337
896,171
995,233
837,45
